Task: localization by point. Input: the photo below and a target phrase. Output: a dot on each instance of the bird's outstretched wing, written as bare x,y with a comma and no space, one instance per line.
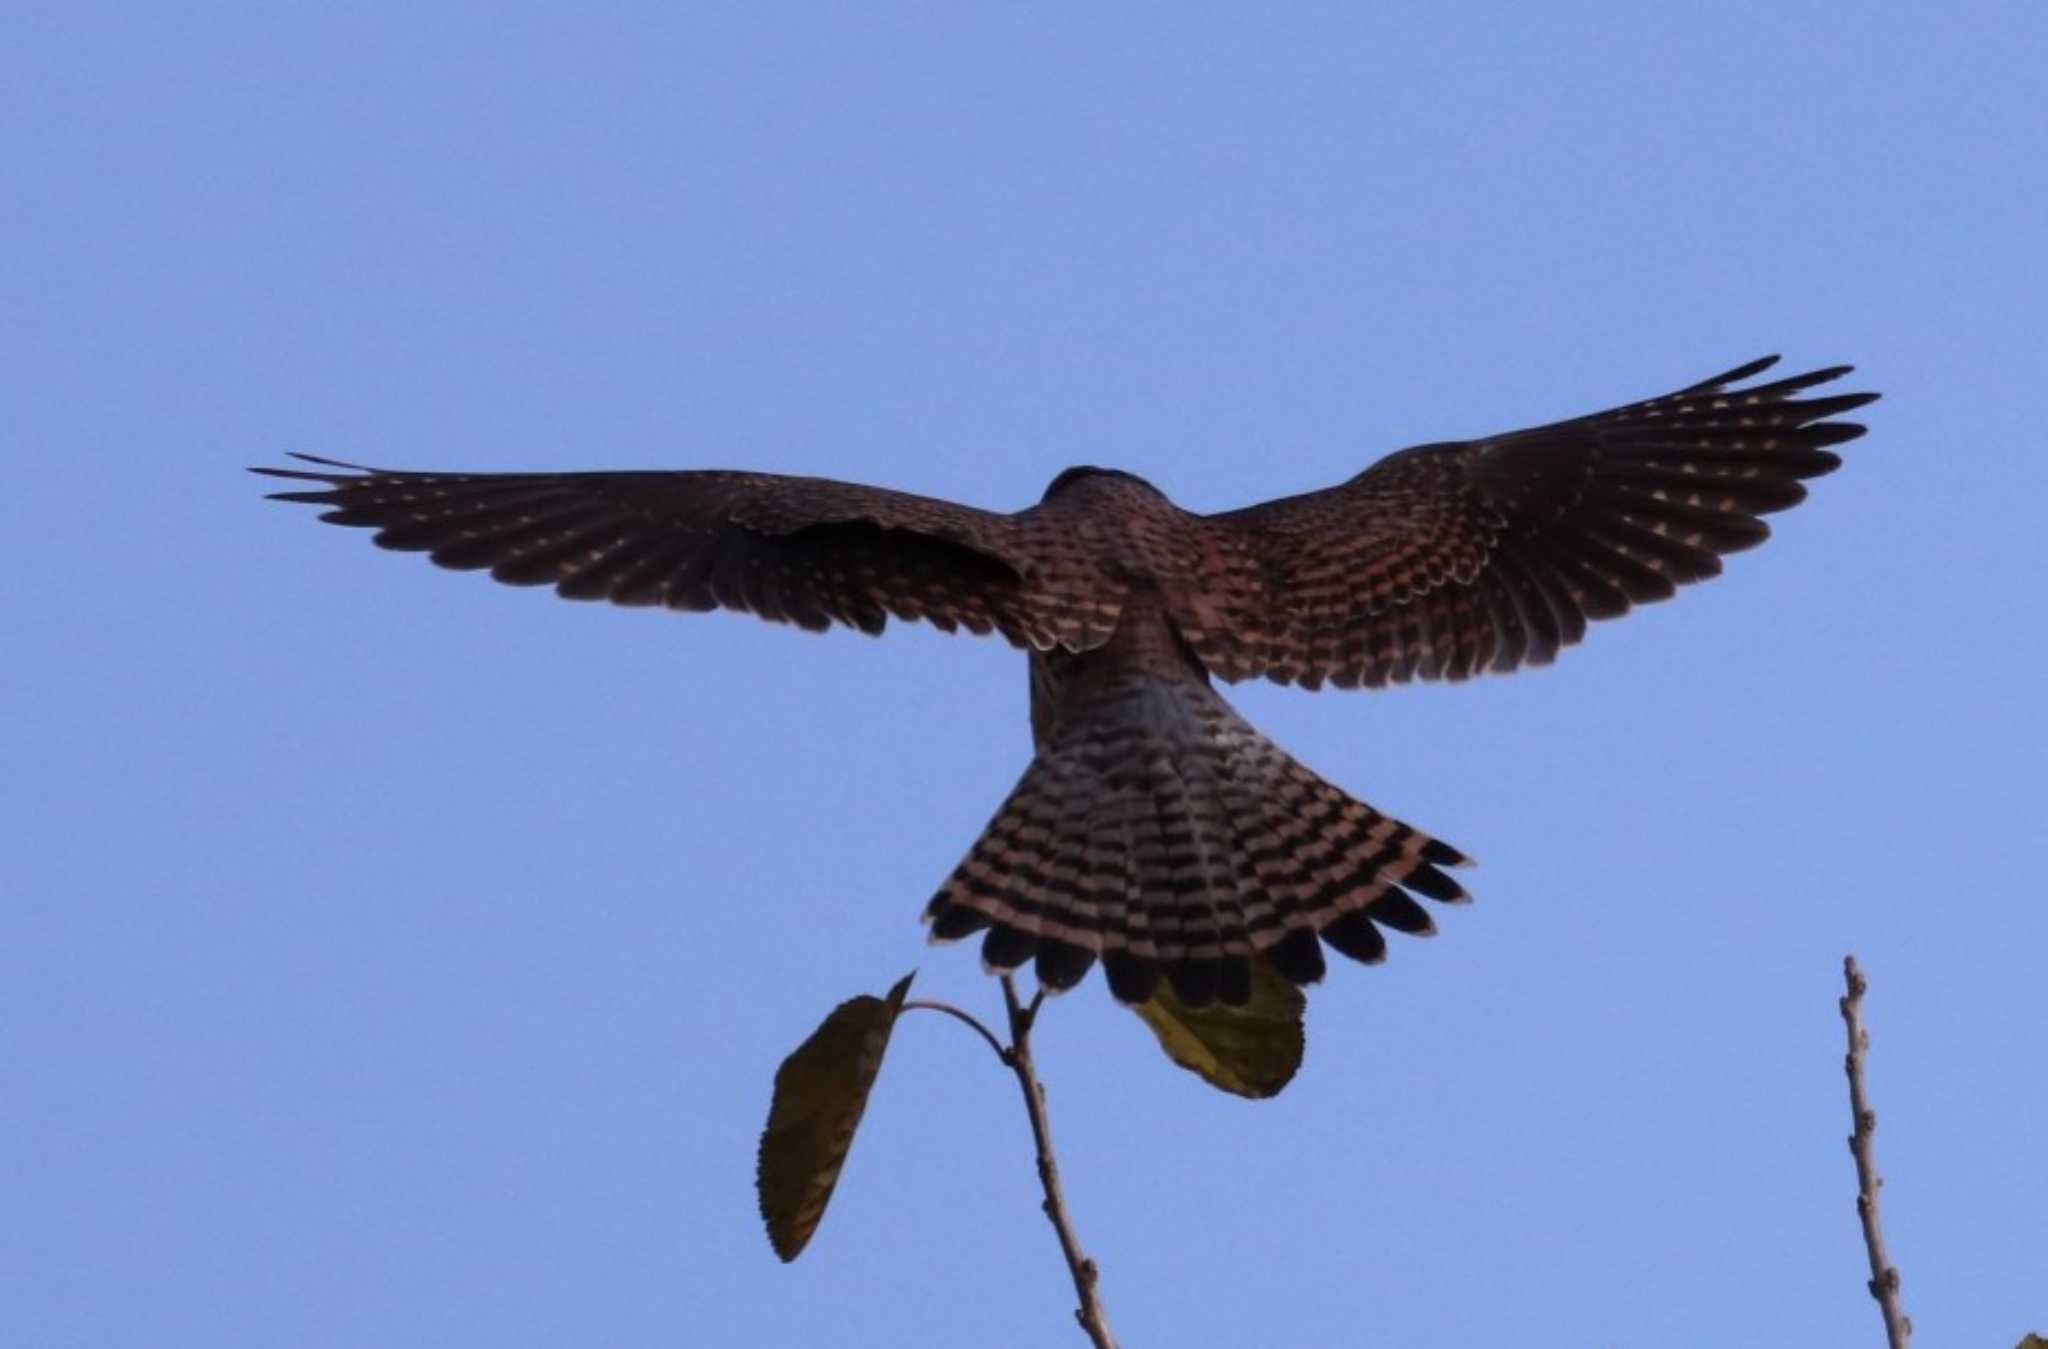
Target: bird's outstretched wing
1446,561
808,551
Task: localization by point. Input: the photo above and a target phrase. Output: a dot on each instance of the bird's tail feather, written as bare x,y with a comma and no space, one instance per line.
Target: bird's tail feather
1165,836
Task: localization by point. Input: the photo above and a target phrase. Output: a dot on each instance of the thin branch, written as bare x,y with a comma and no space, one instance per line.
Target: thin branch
1884,1275
920,1005
1093,1319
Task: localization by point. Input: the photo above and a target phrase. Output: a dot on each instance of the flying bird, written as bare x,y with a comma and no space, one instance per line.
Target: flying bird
1155,829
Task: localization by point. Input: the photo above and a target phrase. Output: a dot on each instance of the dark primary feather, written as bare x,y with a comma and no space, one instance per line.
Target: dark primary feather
1446,561
808,551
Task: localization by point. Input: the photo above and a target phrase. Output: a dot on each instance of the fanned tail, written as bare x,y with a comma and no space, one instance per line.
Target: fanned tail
1163,835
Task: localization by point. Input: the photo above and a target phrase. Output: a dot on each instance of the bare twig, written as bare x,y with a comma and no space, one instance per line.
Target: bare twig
1093,1319
921,1005
1884,1276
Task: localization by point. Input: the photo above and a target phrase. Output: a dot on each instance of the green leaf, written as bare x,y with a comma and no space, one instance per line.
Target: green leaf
1251,1050
820,1092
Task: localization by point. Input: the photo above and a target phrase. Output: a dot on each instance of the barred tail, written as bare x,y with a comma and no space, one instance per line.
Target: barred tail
1165,836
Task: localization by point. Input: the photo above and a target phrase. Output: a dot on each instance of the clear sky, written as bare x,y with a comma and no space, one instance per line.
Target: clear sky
391,958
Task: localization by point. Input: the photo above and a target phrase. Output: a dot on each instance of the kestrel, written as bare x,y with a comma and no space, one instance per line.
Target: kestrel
1155,829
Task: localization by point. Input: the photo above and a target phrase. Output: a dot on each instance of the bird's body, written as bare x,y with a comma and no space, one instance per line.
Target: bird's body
1154,829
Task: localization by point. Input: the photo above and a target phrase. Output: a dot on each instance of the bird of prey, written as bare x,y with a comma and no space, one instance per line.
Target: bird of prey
1154,829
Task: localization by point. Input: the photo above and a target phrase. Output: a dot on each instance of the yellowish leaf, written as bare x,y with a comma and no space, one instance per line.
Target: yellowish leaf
1252,1050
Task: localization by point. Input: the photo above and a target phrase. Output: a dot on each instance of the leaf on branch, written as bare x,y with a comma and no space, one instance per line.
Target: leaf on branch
2034,1342
820,1092
1251,1050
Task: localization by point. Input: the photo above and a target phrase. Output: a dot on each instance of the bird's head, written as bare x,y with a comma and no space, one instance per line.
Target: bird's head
1081,473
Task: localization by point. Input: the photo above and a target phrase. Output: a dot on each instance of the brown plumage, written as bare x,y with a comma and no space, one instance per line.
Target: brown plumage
1156,830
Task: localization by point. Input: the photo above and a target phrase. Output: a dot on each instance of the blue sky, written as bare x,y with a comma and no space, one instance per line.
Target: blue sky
387,957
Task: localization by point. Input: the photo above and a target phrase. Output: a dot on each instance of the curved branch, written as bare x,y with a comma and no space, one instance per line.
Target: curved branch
1884,1275
968,1019
1093,1319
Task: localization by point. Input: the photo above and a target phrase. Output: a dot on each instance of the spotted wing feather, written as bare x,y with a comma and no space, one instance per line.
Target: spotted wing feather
808,551
1446,561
